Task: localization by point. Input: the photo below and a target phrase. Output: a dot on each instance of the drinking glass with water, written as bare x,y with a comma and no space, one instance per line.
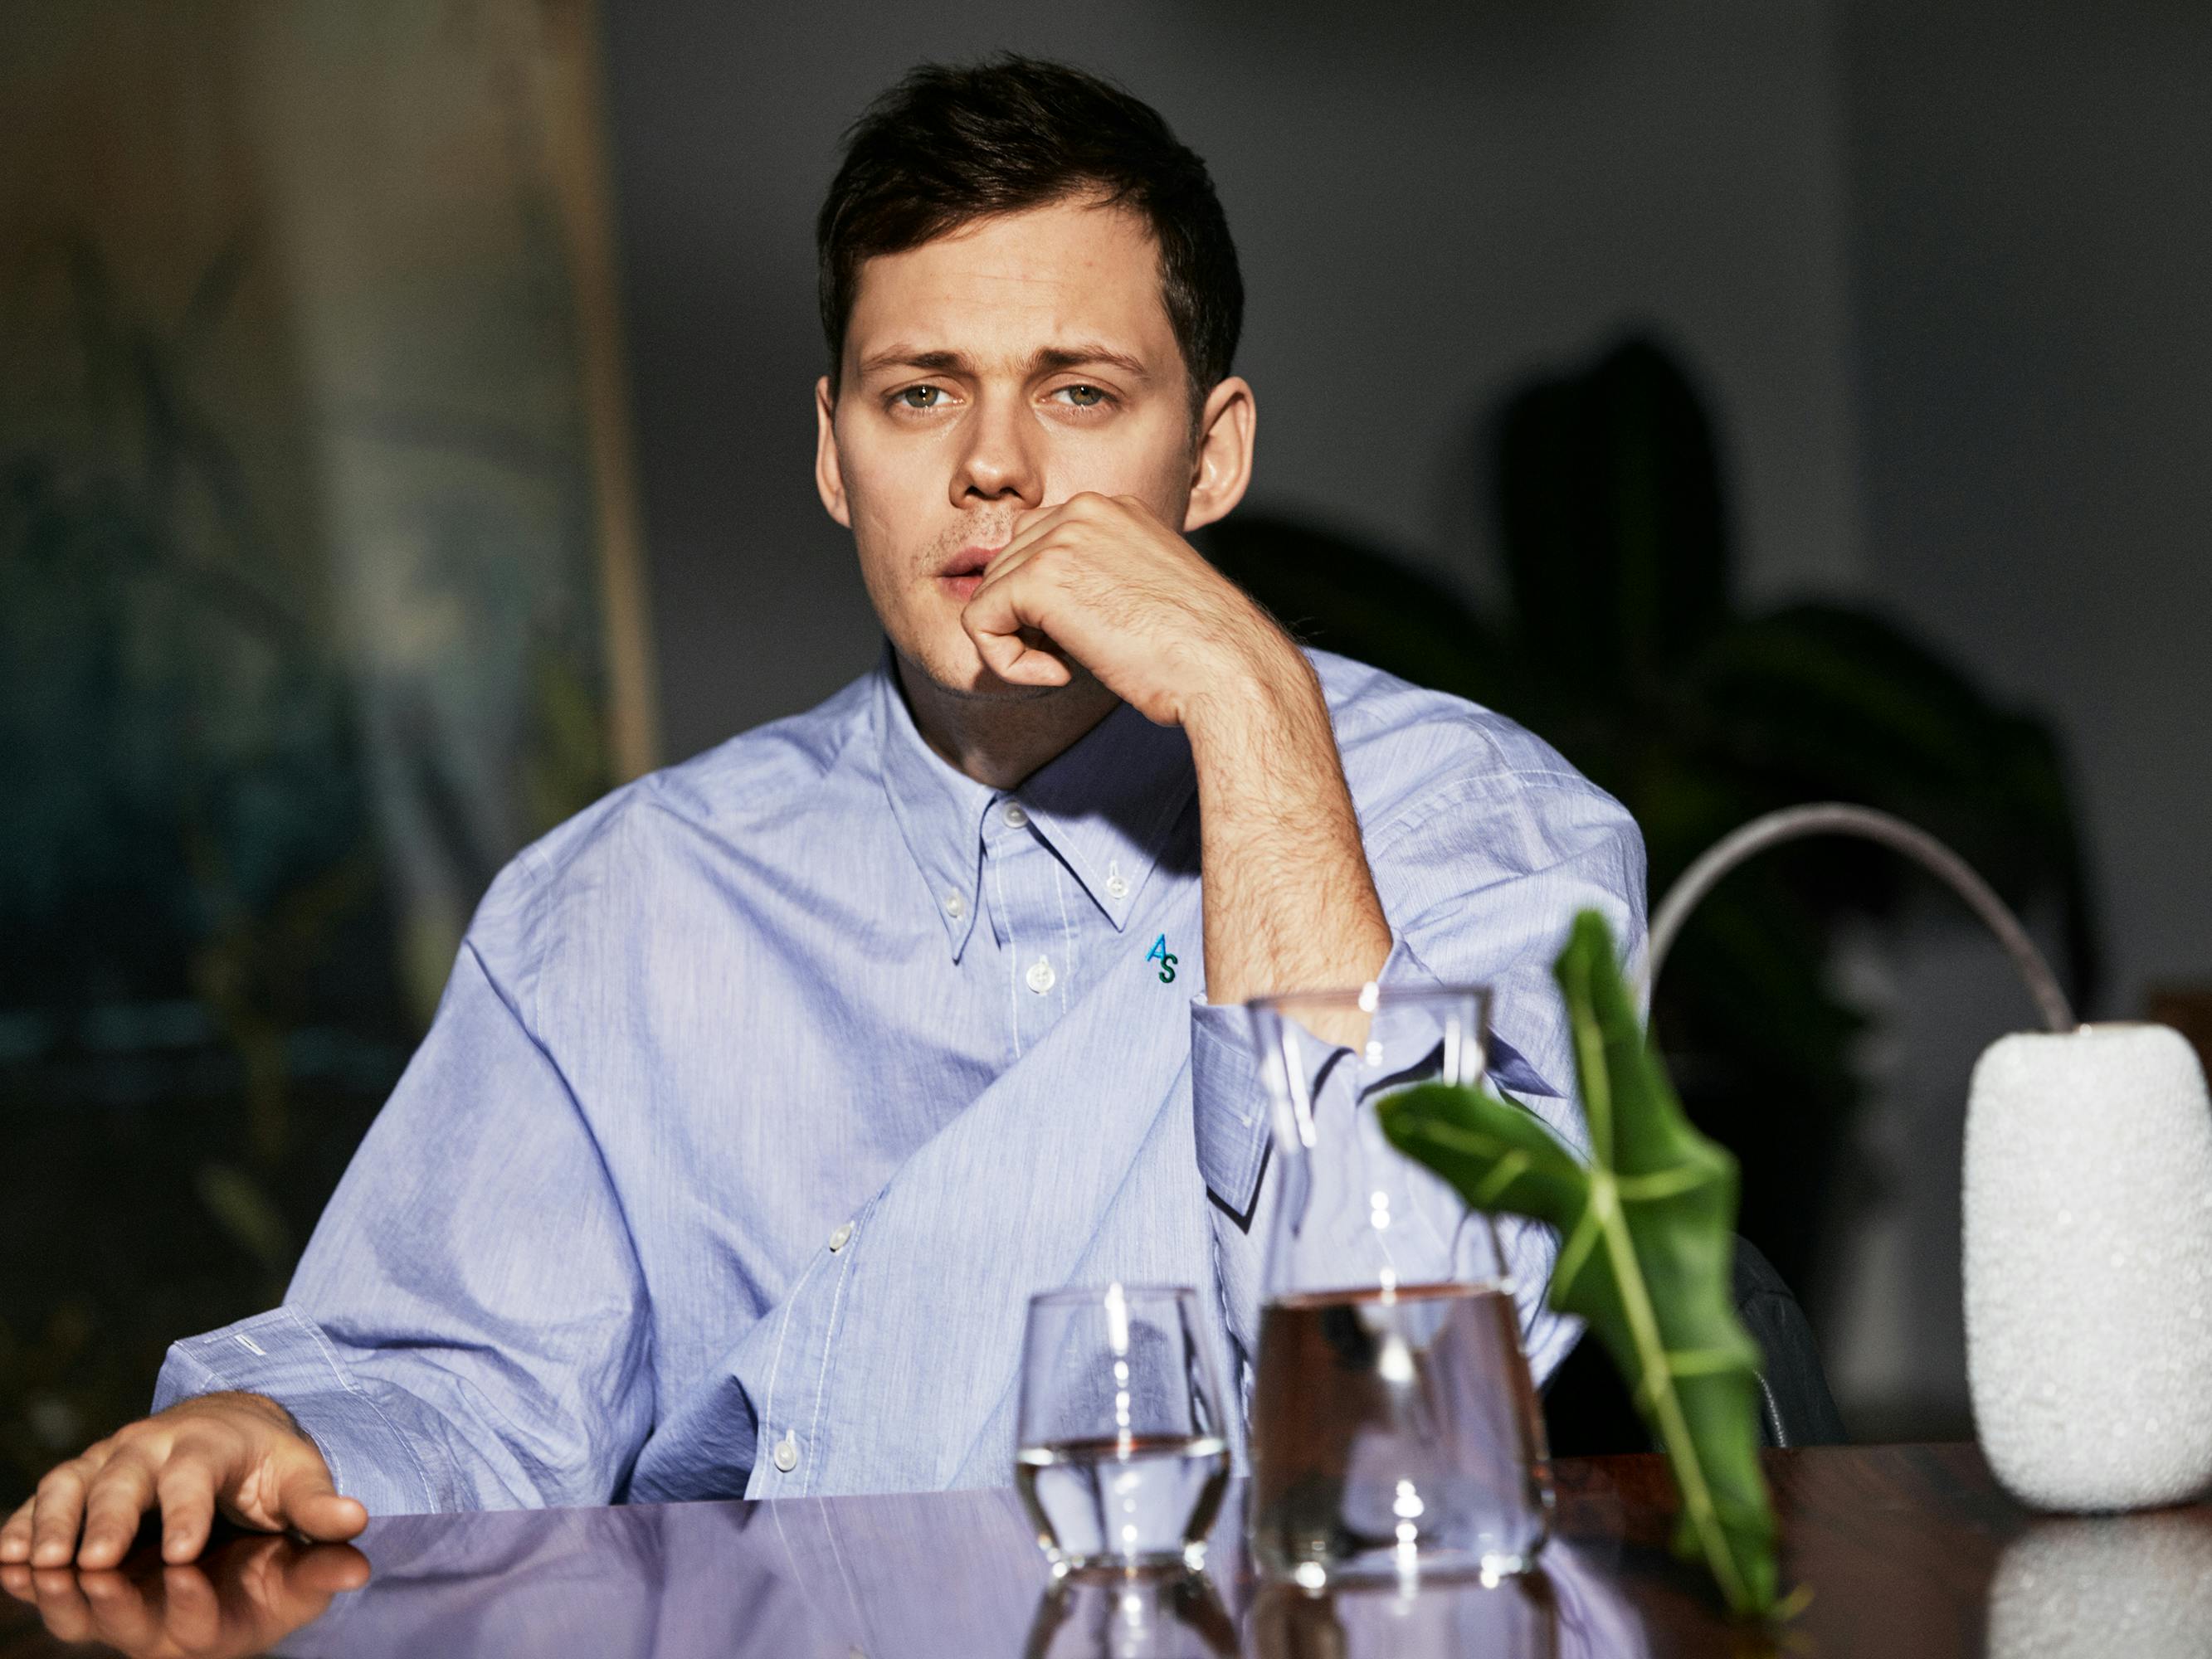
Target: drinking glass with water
1122,1459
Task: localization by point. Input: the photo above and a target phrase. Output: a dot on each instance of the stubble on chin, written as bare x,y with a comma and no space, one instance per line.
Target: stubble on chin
992,690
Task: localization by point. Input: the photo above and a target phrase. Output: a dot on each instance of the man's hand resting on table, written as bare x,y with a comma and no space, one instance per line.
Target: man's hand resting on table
239,1452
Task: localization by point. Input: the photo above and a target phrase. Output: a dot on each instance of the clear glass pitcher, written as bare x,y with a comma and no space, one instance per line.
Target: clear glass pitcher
1395,1426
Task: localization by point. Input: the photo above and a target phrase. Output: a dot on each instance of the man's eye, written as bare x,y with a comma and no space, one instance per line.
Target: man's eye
1084,397
923,397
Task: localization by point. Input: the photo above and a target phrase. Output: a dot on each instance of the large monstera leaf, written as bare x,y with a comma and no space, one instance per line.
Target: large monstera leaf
1647,1240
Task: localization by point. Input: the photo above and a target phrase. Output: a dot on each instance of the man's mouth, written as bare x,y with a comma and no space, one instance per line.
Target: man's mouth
962,573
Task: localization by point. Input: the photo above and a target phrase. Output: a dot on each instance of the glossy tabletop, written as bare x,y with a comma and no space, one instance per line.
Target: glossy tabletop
1905,1550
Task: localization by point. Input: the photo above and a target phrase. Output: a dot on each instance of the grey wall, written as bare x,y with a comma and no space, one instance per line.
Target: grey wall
2031,231
1940,268
2031,238
1425,206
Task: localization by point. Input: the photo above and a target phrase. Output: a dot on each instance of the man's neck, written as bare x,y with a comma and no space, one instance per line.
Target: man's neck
1000,741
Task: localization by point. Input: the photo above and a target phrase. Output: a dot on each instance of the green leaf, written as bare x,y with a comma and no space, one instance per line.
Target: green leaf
1647,1240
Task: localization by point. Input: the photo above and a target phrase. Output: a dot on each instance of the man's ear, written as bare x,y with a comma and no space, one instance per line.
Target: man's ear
1221,469
828,477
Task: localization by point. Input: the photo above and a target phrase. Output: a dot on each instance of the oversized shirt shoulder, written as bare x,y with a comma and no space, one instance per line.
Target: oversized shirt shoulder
766,1091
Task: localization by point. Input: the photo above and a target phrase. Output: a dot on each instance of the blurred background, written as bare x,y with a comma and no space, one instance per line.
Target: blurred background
404,435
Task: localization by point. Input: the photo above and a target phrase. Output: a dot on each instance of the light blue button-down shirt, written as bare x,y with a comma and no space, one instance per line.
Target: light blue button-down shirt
766,1091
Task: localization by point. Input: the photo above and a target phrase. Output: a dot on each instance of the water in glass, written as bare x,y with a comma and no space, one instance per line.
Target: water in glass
1395,1426
1122,1458
1146,1499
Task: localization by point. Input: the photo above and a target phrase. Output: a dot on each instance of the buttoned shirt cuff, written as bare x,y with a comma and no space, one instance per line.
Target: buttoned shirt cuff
1232,1107
284,1356
1230,1104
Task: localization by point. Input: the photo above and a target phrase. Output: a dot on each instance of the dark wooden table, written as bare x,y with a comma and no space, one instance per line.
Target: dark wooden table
1906,1550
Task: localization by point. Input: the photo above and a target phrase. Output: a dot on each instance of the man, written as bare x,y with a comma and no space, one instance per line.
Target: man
765,1091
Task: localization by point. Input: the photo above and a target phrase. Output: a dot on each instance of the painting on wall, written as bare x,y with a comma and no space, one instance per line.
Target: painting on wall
320,595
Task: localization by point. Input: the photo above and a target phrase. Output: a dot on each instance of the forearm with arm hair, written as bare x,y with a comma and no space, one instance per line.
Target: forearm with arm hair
1289,902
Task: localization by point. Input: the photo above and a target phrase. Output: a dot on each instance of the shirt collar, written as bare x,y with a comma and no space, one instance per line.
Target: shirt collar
1105,805
939,810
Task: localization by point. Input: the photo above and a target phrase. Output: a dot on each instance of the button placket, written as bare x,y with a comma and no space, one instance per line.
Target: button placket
1029,890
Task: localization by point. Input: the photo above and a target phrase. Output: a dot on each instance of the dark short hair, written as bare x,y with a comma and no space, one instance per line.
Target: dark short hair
950,144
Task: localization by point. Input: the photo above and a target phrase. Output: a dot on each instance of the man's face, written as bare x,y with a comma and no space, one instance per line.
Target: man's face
1010,365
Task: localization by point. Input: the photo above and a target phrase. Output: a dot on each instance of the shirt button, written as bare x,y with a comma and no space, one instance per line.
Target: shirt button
955,906
841,1238
1015,817
1116,887
787,1452
1041,976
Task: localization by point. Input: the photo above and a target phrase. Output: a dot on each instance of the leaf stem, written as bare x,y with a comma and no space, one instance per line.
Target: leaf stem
1644,1324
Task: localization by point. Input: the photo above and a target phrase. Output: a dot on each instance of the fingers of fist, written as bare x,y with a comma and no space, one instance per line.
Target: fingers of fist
1068,584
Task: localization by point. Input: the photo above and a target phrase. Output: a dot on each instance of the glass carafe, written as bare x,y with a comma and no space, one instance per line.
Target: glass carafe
1395,1429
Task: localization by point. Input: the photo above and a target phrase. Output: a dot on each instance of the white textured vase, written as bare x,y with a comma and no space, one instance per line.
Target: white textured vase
2088,1267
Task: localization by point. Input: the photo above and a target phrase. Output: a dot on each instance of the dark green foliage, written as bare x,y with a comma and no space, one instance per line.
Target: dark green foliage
113,1248
198,1012
1624,642
1647,1232
201,1003
179,748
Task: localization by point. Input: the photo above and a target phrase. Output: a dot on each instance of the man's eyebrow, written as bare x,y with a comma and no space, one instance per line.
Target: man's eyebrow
1044,360
907,356
1079,357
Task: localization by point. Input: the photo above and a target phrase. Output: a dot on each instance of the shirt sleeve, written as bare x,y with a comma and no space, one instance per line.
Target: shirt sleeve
467,1328
1480,885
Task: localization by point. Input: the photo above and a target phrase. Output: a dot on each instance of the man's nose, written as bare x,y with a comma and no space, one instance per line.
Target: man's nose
998,458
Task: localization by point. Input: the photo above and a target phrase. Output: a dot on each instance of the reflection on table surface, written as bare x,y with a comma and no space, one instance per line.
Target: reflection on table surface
2085,1587
1904,1551
245,1596
950,1574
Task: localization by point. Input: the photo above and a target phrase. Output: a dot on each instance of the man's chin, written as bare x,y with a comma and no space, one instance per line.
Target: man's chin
984,686
972,681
